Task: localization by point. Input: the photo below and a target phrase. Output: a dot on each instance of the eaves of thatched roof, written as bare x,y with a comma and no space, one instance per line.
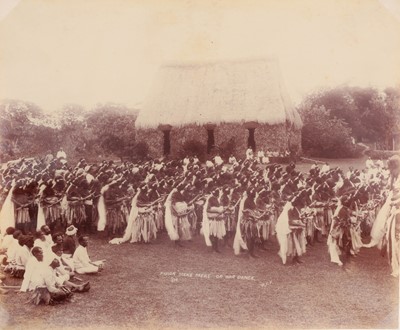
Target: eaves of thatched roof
218,92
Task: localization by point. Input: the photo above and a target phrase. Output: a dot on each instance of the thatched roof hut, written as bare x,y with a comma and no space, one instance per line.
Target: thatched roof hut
243,102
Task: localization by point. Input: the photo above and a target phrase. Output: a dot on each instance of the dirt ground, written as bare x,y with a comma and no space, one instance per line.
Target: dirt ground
160,285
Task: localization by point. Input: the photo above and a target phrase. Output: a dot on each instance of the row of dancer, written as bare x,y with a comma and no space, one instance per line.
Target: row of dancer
242,200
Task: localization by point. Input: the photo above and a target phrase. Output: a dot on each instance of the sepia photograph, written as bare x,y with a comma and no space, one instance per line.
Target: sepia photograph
199,164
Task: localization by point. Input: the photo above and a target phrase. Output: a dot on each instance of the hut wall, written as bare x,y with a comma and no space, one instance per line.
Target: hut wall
295,140
267,137
179,136
225,132
271,137
154,138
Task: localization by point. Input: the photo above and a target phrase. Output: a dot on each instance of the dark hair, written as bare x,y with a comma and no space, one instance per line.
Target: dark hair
35,250
10,230
54,236
17,233
21,239
41,228
57,248
25,239
80,239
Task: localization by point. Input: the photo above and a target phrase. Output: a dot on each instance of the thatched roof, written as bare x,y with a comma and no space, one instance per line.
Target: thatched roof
229,91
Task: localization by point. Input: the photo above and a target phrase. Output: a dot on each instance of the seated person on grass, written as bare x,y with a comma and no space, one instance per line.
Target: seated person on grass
50,287
82,262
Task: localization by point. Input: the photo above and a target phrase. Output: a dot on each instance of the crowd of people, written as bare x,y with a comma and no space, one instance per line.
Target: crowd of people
244,203
48,263
267,156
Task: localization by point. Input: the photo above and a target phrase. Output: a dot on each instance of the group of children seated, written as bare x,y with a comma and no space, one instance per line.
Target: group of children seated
48,262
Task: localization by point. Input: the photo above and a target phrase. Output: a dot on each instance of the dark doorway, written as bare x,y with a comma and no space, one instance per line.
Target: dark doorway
167,143
210,140
251,142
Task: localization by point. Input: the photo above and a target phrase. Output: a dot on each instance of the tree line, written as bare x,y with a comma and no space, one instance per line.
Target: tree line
335,120
107,130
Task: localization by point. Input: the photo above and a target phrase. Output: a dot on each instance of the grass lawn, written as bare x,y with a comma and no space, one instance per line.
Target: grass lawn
343,163
211,290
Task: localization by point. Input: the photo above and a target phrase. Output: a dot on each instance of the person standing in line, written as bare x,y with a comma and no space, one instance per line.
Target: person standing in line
176,220
249,220
215,218
297,239
385,232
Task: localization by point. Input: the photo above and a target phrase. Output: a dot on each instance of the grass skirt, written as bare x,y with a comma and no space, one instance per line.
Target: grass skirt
43,295
192,218
52,213
125,211
248,229
144,228
217,227
116,221
183,225
356,243
328,214
263,228
310,227
159,218
230,221
75,213
272,223
319,221
296,243
22,216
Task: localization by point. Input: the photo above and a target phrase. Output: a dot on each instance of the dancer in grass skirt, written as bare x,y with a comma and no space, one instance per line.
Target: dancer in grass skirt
249,220
343,238
22,201
115,216
145,228
193,195
385,232
214,219
229,214
263,224
297,237
176,220
75,213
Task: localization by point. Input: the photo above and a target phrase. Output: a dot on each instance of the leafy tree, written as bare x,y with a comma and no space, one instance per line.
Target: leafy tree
112,129
72,133
370,113
22,132
324,136
392,120
341,105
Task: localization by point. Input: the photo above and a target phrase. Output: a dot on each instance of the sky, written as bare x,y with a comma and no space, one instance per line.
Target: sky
56,52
